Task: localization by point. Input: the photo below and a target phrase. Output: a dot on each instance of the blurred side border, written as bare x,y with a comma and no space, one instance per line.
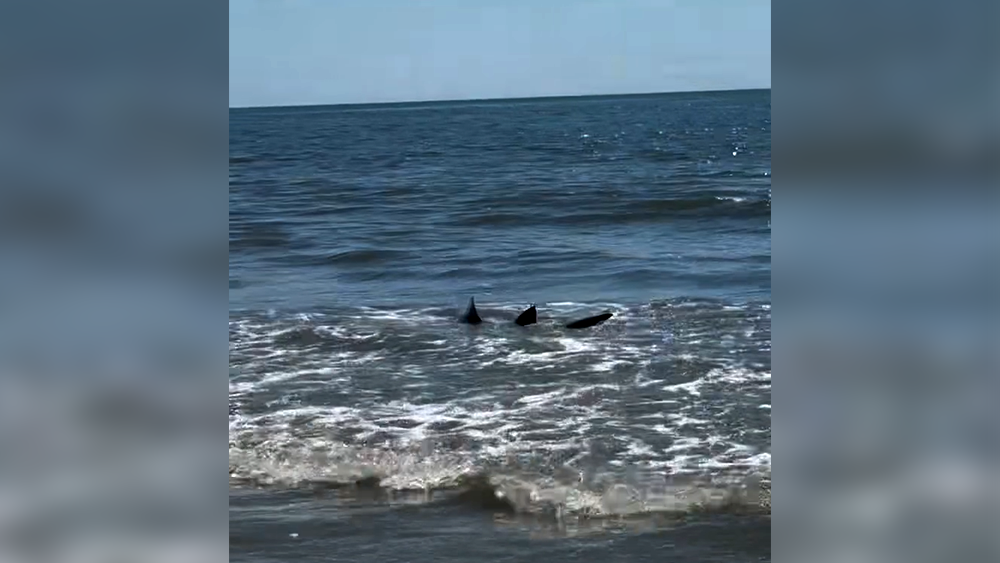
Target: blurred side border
886,144
113,222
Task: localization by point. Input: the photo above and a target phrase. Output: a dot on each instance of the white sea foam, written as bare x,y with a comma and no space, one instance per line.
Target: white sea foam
691,387
477,399
541,398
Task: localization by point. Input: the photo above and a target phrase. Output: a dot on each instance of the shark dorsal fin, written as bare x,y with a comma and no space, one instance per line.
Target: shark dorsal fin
471,316
528,317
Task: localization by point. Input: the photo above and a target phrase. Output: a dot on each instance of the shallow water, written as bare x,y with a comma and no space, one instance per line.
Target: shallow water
366,420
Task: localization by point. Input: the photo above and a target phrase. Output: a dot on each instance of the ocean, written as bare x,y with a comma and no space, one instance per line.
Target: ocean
367,424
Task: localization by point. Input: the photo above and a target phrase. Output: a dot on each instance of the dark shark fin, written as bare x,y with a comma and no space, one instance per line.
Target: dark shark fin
471,316
528,317
590,321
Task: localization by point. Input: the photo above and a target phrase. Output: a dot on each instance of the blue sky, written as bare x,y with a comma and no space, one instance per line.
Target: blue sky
298,52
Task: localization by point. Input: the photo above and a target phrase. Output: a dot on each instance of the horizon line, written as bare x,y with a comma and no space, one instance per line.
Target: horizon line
516,98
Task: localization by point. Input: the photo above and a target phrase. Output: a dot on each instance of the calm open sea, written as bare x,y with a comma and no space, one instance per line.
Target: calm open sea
366,424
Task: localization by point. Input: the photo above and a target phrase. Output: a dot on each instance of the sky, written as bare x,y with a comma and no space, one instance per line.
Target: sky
305,52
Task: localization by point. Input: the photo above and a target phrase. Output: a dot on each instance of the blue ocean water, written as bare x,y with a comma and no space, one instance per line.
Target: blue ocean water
358,235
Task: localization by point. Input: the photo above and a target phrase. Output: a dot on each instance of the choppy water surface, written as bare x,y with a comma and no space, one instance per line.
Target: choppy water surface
366,424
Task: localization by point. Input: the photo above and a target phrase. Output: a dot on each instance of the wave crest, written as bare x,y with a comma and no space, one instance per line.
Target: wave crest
560,493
